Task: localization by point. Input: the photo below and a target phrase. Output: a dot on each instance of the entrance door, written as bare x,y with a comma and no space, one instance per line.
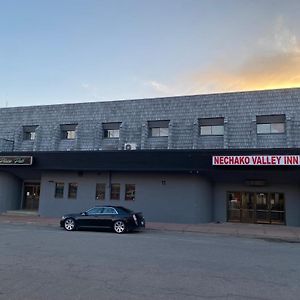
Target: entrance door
264,208
247,207
31,196
277,208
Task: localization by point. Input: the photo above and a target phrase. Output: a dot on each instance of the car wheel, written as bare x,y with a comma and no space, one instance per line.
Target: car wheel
119,226
70,224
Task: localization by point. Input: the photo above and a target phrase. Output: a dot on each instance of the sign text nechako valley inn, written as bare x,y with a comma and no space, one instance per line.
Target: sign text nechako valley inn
256,160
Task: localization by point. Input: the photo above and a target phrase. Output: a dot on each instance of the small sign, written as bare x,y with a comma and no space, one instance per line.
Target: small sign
15,160
256,160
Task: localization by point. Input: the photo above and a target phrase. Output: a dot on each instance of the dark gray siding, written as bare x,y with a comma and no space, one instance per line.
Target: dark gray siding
184,198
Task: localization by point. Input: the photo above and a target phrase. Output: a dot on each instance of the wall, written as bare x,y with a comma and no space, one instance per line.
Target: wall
10,192
182,199
238,109
291,192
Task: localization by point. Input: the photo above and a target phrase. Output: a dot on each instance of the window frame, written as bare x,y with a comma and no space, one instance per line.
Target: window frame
56,194
126,191
75,184
110,194
110,129
160,126
28,131
211,124
68,132
104,191
268,121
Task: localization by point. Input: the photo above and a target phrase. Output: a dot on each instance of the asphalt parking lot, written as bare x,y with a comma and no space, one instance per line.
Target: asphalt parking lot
38,262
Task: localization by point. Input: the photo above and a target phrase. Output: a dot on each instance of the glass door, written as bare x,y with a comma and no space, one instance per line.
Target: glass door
277,209
234,207
256,207
31,196
247,207
262,214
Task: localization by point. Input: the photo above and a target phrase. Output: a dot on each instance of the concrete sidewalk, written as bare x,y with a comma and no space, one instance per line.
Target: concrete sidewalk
275,232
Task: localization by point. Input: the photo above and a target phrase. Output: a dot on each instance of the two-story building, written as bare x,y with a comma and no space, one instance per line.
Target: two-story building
192,159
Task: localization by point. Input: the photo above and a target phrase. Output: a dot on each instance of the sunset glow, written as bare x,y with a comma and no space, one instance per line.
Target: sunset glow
281,71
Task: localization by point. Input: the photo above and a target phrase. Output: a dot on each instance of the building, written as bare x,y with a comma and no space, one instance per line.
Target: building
192,159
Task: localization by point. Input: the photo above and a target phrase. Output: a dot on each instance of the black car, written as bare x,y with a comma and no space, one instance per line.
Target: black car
117,218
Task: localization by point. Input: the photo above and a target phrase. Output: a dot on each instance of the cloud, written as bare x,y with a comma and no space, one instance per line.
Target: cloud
275,65
158,87
91,90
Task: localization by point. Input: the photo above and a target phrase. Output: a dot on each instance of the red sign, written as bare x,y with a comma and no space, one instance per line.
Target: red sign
256,160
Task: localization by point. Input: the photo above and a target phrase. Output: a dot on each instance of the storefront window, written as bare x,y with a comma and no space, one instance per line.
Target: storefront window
72,193
115,191
100,191
129,191
59,190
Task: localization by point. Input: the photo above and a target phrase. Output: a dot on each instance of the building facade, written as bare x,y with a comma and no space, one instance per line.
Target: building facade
191,159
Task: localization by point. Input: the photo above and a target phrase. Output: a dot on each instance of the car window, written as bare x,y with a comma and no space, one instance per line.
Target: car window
95,211
124,210
109,210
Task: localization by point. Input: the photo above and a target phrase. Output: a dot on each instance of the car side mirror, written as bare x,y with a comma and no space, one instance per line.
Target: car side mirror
83,213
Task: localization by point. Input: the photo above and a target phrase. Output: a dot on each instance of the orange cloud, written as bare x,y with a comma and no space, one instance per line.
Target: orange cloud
259,72
276,64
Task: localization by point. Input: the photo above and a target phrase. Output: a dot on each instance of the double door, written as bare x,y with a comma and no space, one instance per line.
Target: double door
256,207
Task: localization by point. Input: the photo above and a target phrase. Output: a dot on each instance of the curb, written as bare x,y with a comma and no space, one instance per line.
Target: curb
165,228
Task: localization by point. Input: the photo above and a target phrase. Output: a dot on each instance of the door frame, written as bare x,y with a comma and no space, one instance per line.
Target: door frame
29,182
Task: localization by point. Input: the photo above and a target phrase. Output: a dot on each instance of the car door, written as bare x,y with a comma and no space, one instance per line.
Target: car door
90,219
105,219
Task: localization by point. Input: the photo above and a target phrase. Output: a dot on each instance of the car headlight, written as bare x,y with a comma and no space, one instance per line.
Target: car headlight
63,217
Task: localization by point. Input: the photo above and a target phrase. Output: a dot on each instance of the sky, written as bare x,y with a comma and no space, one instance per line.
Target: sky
67,51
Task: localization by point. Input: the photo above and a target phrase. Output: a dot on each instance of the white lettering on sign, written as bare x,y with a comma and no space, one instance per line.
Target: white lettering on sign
256,160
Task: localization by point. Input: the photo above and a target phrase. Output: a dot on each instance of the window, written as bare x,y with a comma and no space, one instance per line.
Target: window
111,130
59,190
109,211
29,133
100,191
115,191
159,128
211,126
95,211
129,191
270,124
72,192
68,131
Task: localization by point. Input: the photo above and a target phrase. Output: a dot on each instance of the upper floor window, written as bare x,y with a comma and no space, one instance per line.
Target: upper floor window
111,130
68,131
158,128
270,124
29,133
211,126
